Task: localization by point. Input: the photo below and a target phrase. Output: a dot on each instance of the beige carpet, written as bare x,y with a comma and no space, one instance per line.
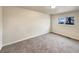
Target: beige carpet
48,43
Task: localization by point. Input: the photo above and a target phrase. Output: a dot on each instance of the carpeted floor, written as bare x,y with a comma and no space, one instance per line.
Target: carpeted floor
48,43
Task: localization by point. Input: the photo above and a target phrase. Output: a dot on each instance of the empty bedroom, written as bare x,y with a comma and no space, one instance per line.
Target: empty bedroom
39,29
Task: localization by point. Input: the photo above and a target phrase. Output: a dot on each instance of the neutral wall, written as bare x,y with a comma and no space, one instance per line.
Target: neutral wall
0,27
22,24
67,30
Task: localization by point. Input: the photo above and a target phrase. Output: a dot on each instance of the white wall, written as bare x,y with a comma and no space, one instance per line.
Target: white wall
21,23
0,27
67,30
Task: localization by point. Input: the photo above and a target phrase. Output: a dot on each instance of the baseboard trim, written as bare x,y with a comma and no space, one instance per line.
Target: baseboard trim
64,36
0,47
23,39
34,37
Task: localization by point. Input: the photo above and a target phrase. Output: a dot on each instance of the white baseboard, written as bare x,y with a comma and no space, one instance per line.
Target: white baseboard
0,47
23,39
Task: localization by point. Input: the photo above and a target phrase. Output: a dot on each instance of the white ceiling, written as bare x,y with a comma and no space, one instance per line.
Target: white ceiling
49,10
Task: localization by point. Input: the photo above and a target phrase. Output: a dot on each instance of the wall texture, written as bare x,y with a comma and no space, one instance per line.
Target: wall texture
0,27
67,30
22,24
